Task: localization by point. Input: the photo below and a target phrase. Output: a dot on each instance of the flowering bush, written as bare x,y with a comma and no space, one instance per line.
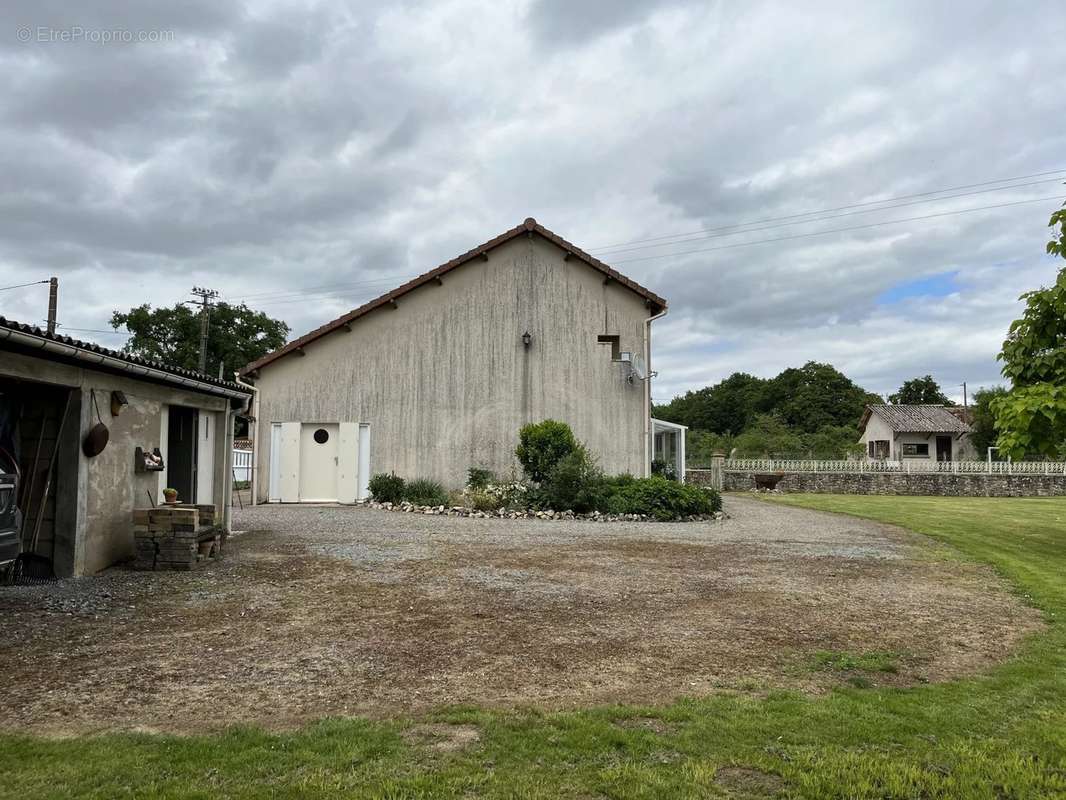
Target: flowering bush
494,496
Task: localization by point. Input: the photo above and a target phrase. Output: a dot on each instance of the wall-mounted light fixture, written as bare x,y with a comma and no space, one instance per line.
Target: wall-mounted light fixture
527,339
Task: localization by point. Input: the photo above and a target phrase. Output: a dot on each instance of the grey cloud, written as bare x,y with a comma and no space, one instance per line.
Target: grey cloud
274,147
565,22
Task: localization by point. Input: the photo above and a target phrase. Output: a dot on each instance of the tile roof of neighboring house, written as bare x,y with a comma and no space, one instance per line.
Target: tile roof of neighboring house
917,419
530,226
88,352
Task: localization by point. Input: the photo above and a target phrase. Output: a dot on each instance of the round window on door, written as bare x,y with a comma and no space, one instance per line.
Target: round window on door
321,436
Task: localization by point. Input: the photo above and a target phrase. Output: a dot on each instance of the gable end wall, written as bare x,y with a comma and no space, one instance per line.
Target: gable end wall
445,381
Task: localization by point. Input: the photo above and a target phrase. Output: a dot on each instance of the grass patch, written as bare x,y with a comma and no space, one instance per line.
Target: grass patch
861,662
1002,735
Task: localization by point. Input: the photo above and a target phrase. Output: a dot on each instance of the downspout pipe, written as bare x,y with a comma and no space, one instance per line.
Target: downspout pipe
647,390
254,404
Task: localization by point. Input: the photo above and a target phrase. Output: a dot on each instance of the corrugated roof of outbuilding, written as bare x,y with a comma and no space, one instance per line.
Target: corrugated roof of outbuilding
916,419
92,347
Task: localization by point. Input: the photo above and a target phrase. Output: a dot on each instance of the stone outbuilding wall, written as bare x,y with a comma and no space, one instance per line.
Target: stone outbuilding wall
891,483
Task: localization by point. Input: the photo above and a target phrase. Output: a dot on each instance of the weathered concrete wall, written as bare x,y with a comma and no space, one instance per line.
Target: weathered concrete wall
102,492
445,382
895,483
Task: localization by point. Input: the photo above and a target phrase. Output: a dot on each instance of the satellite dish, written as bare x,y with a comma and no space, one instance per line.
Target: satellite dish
638,367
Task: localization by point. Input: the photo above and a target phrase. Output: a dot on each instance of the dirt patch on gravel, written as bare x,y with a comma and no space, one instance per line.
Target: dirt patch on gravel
335,611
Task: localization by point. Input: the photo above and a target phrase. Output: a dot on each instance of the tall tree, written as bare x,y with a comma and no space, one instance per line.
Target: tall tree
1031,418
728,407
919,392
237,335
815,395
983,427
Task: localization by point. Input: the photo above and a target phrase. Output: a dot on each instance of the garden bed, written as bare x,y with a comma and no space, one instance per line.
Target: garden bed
504,513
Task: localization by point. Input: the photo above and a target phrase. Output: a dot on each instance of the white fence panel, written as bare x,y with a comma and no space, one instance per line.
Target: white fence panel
903,466
242,465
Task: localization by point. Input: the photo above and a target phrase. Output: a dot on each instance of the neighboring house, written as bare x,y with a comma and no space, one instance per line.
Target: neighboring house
898,432
438,375
53,390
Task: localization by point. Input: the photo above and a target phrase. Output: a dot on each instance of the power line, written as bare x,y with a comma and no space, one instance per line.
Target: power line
830,210
21,285
839,230
96,330
319,286
616,250
281,295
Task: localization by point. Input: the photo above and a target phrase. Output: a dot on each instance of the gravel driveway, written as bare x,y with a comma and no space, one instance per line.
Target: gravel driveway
321,611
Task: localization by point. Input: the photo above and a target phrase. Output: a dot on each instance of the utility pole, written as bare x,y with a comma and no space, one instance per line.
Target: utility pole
206,296
965,402
53,303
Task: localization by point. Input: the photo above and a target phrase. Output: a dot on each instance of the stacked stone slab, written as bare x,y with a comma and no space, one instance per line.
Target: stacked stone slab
175,537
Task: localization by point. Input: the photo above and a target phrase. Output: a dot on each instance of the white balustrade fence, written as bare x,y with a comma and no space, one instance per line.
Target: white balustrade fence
903,466
242,465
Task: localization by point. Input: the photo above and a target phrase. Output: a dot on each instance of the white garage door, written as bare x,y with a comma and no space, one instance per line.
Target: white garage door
316,462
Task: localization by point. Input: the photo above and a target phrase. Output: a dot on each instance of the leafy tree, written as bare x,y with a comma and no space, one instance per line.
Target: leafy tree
769,436
983,426
816,395
700,446
833,442
919,392
727,407
1057,245
237,335
1031,418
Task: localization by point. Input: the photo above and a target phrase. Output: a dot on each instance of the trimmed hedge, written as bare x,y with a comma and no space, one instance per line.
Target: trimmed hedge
662,499
542,445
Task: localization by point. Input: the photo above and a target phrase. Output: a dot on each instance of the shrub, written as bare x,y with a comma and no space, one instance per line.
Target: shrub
386,488
662,499
424,492
575,484
542,445
478,478
664,468
482,500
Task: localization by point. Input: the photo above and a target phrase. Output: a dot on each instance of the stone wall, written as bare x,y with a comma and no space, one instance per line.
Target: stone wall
929,483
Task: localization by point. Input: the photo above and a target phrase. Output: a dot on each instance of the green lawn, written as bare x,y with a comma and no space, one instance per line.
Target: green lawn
1000,736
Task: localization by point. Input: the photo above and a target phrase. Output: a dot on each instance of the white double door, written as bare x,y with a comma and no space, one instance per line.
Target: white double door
318,462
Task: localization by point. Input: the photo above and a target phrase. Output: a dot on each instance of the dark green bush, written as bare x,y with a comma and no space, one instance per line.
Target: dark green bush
542,445
478,478
664,468
386,488
575,484
425,492
662,499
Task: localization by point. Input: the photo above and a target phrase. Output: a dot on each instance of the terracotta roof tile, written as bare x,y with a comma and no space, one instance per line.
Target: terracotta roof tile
91,347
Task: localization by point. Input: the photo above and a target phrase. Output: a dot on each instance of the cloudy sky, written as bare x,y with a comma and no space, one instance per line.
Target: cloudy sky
306,157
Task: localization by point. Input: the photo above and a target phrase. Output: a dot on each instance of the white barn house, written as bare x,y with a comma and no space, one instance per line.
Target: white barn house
438,375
